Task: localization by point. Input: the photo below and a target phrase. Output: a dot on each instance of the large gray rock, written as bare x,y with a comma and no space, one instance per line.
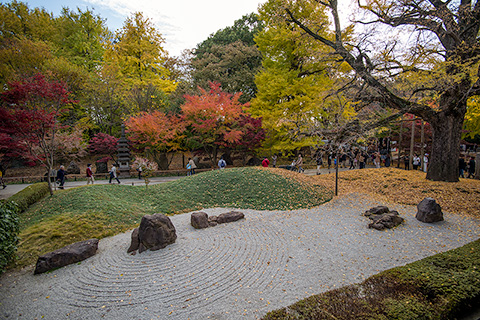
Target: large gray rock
73,253
155,232
199,220
428,210
230,217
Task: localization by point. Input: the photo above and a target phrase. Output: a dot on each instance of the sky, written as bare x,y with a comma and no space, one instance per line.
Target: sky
183,23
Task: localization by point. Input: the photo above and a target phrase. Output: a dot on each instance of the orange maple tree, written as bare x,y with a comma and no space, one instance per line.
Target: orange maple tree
212,119
156,134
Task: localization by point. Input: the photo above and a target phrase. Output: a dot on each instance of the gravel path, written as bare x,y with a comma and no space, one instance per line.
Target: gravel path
239,270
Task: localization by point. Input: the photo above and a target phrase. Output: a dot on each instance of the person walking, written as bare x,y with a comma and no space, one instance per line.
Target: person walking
406,160
139,172
2,172
90,177
376,160
61,177
191,166
299,163
265,162
222,164
471,168
274,160
388,161
416,162
425,162
113,174
462,165
319,162
361,160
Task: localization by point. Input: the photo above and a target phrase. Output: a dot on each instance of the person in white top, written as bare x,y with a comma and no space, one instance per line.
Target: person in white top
425,162
113,174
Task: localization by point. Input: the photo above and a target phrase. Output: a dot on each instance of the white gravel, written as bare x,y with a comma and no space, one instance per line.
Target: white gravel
239,270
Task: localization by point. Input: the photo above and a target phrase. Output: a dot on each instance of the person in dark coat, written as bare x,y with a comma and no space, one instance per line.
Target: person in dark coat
471,168
61,177
462,165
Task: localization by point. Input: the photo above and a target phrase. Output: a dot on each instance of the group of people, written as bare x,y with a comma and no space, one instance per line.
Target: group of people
417,162
61,175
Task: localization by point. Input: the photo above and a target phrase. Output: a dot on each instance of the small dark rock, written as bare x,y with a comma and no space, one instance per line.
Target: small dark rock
376,211
386,221
428,210
199,220
230,217
212,221
72,253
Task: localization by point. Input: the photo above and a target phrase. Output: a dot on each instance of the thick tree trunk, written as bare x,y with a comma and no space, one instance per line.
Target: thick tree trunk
443,162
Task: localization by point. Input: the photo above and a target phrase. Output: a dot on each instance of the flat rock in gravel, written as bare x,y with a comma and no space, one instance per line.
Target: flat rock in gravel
230,217
62,257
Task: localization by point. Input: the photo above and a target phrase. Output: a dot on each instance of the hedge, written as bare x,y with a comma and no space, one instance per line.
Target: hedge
30,195
438,287
9,228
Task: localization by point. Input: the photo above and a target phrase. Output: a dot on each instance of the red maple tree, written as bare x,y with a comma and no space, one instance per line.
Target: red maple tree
33,107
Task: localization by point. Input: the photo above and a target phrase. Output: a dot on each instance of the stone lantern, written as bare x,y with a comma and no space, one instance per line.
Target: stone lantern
123,155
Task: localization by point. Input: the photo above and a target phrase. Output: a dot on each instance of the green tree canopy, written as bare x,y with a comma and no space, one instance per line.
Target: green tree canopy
230,57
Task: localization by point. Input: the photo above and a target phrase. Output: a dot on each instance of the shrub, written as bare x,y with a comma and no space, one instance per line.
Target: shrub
8,233
30,195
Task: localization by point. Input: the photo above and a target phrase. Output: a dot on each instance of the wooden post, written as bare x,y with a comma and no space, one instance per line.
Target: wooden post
422,141
412,144
400,144
336,174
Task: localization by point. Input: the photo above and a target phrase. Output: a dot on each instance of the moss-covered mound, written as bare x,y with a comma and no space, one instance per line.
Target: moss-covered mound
103,210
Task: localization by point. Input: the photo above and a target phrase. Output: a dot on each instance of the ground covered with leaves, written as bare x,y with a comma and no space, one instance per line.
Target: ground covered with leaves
406,187
100,211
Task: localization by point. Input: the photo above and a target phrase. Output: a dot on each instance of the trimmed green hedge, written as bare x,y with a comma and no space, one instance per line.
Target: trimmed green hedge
9,228
30,195
437,287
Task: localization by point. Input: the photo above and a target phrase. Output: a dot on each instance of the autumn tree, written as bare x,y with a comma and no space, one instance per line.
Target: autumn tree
35,105
156,134
294,85
230,57
252,138
212,119
104,144
138,58
439,61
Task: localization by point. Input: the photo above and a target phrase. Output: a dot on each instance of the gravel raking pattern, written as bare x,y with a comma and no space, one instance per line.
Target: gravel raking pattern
239,270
